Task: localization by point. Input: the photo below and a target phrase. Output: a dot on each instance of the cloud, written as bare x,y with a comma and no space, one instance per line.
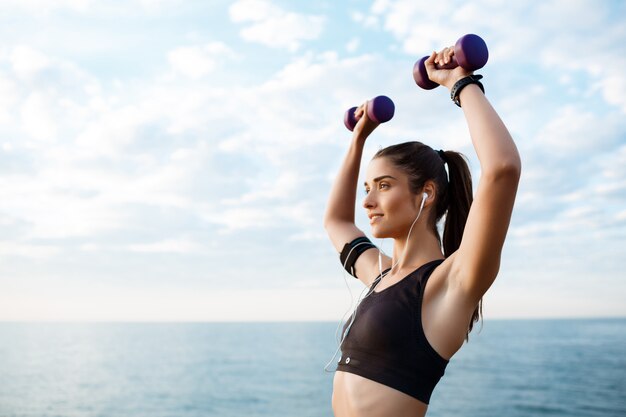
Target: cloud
46,6
370,21
197,61
274,27
27,61
37,120
84,7
144,131
353,45
574,130
76,145
70,139
570,133
418,26
210,148
272,189
8,98
571,43
266,216
156,5
12,249
180,245
308,236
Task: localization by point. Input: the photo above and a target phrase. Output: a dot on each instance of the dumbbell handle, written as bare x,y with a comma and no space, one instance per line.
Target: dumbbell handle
470,52
380,109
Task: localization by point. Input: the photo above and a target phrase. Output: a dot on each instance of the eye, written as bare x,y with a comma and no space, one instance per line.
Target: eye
382,184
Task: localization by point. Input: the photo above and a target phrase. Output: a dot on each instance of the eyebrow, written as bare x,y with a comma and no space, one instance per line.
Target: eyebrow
380,178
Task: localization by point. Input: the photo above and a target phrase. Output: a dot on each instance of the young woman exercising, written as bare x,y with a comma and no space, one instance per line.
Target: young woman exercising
404,332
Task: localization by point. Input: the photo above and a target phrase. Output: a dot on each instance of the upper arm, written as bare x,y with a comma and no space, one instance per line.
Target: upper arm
477,261
366,266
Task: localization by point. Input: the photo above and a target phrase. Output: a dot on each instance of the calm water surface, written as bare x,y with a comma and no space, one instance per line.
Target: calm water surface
511,368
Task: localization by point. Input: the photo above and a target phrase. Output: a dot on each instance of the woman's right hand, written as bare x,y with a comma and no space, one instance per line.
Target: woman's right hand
364,125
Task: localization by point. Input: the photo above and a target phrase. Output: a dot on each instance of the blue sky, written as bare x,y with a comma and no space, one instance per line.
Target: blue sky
171,160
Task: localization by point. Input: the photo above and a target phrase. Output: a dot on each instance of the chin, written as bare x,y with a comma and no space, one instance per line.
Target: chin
378,234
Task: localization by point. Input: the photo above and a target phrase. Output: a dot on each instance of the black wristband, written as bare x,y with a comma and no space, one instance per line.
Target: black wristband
461,84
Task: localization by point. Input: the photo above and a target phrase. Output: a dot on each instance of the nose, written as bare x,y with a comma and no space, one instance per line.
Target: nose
368,201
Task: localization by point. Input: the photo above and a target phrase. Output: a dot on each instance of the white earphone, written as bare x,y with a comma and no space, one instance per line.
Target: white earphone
371,288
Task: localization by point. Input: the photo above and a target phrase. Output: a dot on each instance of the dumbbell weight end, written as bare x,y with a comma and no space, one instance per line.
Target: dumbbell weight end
380,109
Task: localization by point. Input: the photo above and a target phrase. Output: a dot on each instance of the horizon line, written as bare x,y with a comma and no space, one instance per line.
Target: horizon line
40,321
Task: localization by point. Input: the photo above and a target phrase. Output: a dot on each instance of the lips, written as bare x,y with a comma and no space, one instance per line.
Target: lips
374,216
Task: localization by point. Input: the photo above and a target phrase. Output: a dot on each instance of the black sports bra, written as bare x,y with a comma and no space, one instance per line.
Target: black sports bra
386,342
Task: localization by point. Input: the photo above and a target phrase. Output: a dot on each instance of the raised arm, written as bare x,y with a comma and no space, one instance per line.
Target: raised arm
339,219
477,261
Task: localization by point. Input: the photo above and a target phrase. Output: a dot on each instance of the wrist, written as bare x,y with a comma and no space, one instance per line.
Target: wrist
359,138
460,85
450,85
360,135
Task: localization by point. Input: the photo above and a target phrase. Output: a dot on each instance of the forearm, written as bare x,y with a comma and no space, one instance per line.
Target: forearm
342,197
492,141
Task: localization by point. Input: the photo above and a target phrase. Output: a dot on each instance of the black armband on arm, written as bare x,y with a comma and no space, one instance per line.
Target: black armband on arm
351,251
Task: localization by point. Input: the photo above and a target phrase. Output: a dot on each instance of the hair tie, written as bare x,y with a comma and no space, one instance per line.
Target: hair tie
442,154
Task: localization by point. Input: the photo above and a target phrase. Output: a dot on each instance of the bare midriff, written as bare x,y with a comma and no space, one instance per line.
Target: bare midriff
355,396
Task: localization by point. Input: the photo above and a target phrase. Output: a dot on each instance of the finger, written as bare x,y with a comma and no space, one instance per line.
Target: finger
440,57
446,55
358,113
449,54
430,62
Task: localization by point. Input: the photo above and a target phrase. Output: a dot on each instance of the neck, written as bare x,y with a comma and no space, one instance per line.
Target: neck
421,247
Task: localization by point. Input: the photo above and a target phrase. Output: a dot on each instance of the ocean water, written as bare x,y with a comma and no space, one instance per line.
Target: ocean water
510,368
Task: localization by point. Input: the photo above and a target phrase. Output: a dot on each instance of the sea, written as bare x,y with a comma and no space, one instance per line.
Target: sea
509,368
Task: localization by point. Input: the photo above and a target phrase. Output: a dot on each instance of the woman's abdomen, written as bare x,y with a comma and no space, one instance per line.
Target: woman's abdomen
355,396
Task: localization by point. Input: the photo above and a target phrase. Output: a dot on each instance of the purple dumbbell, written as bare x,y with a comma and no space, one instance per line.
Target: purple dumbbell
470,52
379,109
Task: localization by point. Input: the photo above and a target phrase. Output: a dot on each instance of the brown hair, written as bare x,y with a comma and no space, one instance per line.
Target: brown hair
453,197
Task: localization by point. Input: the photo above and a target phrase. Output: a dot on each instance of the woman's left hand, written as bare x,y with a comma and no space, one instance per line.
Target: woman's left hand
445,77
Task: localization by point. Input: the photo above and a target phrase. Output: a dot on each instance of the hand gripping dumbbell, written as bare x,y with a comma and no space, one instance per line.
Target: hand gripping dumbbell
470,52
379,109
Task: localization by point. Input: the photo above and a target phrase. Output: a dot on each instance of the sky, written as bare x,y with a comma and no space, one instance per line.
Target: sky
166,160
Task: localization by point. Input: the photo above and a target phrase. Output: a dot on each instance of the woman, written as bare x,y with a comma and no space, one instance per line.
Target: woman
404,332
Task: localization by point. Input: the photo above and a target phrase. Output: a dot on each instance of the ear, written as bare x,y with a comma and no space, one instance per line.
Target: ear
430,189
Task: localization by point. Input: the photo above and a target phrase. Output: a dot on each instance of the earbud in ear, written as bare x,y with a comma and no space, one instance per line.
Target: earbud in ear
424,196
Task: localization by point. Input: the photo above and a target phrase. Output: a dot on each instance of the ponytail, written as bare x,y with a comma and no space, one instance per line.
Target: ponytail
458,200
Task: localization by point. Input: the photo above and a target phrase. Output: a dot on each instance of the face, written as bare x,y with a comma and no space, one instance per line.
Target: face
387,194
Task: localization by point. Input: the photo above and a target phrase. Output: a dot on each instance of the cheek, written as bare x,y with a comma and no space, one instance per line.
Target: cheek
400,210
396,203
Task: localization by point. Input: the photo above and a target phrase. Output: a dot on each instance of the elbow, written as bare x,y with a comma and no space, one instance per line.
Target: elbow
328,221
331,220
328,218
509,170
